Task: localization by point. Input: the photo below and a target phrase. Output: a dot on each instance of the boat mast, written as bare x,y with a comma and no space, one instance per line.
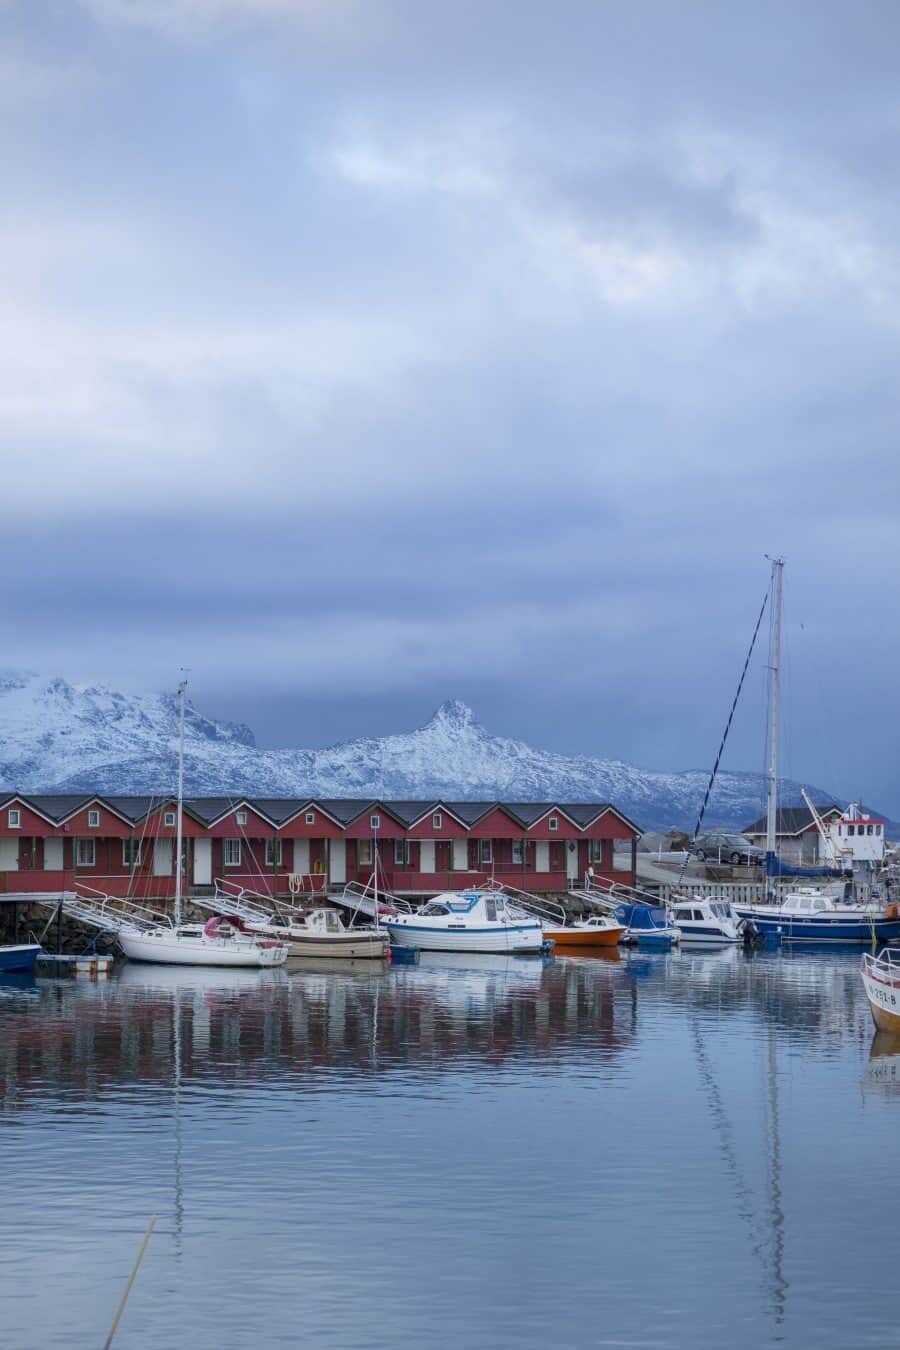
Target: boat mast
774,697
375,875
178,822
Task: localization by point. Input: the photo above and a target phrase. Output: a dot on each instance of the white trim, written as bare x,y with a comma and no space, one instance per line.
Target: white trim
553,823
375,821
136,860
170,819
310,818
273,852
93,819
437,821
485,851
240,817
14,824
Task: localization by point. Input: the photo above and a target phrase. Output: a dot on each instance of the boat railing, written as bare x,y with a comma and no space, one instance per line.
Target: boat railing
230,898
607,895
540,907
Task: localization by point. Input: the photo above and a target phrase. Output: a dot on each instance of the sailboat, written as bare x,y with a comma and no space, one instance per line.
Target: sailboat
223,940
805,915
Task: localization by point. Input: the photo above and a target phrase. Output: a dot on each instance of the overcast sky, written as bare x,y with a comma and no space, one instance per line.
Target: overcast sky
362,353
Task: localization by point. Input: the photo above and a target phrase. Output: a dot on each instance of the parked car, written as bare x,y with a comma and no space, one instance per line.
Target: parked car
731,848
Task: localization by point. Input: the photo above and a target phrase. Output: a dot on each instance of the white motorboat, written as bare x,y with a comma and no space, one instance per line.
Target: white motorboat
468,921
701,919
221,941
321,932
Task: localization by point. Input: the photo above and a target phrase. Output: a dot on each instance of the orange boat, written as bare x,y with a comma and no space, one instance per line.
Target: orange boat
600,931
881,981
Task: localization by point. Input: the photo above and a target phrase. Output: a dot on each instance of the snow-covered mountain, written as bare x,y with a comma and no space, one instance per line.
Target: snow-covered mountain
60,737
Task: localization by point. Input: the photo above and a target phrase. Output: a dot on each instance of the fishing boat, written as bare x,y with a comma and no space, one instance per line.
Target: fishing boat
600,930
810,915
322,932
881,981
19,956
467,921
223,940
700,919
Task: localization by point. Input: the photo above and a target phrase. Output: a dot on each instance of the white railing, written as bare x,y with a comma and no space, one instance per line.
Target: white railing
550,911
360,898
100,910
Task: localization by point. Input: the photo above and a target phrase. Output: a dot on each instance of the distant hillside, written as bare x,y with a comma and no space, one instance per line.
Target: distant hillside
60,737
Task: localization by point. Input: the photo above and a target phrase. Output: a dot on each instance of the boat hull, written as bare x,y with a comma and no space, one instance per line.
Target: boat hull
160,949
514,941
883,992
840,928
341,946
585,937
19,957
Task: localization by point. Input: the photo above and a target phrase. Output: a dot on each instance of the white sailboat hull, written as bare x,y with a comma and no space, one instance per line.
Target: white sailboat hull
170,947
434,939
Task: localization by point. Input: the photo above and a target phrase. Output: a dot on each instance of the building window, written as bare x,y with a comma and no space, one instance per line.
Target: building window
401,853
231,852
595,850
131,852
93,820
273,853
518,851
375,822
14,819
553,823
241,817
169,818
84,853
437,821
310,817
364,852
485,850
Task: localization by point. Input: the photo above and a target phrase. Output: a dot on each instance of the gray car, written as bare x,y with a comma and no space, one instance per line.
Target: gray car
730,848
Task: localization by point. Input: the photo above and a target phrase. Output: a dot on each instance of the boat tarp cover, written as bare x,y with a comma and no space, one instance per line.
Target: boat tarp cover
641,916
776,868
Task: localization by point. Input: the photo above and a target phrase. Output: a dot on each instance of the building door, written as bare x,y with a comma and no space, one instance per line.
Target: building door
9,855
337,862
426,855
460,855
162,858
542,855
53,855
301,857
202,862
571,861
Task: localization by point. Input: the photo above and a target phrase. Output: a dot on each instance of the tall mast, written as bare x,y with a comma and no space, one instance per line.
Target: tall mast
182,688
774,699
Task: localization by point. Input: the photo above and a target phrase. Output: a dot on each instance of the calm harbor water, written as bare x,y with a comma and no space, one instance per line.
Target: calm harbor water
641,1151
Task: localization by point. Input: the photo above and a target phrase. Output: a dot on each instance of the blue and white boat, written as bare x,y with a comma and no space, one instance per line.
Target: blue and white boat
646,926
701,919
19,956
807,915
468,921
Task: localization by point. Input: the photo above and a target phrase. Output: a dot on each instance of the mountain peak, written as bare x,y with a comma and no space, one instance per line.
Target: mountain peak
453,713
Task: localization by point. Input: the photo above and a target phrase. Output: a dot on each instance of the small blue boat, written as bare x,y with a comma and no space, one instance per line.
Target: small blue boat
21,956
646,926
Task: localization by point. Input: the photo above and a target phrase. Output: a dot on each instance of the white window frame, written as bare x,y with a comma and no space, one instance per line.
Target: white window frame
485,851
93,819
310,817
375,821
170,819
595,851
14,819
132,846
231,852
240,817
518,852
437,821
364,852
273,852
82,848
553,823
401,853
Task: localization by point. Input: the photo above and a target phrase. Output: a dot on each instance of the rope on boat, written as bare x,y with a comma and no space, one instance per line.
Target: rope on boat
715,767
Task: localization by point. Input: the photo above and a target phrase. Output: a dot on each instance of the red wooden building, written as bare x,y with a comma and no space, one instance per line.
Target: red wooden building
126,845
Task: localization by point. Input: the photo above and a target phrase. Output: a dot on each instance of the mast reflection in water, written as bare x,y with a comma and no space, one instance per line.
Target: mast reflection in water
489,1151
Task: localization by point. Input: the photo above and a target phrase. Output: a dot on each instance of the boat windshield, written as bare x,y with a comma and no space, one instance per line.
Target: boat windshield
434,908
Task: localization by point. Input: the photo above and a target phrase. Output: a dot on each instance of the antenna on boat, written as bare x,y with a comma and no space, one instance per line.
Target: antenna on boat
774,698
182,689
375,869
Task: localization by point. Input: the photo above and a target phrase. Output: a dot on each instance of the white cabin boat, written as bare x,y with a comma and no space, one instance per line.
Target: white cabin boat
321,932
700,919
468,921
221,941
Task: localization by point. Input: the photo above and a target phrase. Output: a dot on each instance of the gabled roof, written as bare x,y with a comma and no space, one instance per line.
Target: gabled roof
59,808
792,819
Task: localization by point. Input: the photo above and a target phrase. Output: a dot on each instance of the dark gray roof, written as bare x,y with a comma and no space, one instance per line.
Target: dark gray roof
791,819
57,808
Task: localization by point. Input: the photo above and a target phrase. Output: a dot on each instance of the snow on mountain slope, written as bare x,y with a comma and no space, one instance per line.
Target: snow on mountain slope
60,737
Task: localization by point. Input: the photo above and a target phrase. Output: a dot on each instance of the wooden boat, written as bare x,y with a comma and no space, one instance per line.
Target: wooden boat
321,932
601,930
881,981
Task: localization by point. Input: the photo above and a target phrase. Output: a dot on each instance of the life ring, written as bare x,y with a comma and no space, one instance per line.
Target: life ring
892,912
